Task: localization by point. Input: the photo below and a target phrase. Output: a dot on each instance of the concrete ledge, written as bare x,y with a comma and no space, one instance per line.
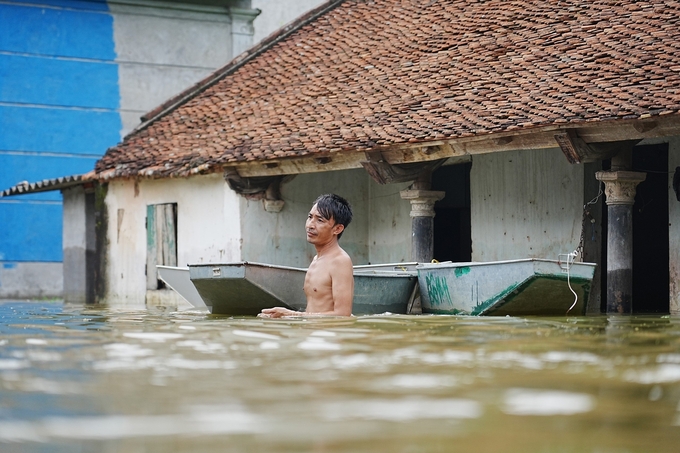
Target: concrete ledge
31,280
166,299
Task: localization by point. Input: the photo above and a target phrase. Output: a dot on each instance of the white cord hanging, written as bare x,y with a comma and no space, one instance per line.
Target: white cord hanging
565,265
567,259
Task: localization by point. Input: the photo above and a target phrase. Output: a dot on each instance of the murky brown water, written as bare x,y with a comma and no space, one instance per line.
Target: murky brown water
96,380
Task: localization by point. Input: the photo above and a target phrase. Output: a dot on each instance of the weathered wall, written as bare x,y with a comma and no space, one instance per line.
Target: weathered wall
212,218
33,280
389,235
208,229
525,204
163,48
100,64
279,238
380,231
78,243
275,14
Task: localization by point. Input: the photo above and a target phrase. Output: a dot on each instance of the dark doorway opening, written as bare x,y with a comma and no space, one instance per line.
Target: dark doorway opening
452,231
650,231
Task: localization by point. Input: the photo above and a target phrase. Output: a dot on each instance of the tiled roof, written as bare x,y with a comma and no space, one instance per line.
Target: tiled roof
47,185
371,74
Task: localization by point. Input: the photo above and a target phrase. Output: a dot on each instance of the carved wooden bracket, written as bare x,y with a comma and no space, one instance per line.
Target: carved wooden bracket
578,151
385,173
573,147
258,188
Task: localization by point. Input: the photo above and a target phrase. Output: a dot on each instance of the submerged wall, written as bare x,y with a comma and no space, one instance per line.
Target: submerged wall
76,77
380,230
389,234
525,204
57,74
208,229
215,224
279,238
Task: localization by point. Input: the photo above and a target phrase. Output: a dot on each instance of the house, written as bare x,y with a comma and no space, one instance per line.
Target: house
503,120
76,77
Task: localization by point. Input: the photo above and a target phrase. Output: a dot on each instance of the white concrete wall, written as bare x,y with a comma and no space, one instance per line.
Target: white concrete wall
279,238
32,280
389,233
208,229
74,234
275,14
164,48
74,243
525,204
380,231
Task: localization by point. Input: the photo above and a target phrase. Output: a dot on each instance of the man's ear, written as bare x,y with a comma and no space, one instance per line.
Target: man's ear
338,228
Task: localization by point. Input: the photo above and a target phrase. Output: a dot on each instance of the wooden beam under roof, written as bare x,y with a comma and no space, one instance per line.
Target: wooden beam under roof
463,148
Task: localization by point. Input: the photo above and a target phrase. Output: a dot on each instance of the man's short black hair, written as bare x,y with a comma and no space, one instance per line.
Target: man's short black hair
332,206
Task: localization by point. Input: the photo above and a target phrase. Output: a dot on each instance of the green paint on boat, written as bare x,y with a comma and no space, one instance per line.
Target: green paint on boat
438,290
481,307
460,271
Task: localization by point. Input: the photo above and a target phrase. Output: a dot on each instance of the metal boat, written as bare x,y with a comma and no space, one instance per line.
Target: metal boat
244,288
517,287
177,278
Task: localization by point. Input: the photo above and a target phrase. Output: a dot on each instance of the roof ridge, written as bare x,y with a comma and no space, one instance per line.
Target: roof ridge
234,64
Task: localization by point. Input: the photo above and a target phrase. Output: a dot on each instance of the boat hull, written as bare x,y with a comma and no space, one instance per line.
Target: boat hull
245,288
178,279
517,288
383,291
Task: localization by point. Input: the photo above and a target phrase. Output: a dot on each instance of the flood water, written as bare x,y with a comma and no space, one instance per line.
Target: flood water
76,379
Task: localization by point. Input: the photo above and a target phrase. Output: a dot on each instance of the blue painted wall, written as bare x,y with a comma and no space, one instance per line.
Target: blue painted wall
59,112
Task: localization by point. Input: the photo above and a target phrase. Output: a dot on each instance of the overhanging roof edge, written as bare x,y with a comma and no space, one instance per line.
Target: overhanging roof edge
46,185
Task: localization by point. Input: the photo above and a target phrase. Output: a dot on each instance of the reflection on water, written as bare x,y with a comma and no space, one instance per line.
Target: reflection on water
99,380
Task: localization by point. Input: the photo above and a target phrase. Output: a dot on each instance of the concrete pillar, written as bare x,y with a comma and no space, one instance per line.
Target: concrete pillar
620,196
422,221
242,29
79,245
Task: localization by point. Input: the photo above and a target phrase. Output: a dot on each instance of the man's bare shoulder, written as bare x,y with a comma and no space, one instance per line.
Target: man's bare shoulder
341,258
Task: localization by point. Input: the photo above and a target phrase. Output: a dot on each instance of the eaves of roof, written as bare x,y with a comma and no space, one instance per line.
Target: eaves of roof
46,185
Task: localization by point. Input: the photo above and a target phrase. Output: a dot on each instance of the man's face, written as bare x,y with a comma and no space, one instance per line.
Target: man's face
320,230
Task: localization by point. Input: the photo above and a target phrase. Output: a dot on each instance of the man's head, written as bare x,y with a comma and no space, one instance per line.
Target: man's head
334,207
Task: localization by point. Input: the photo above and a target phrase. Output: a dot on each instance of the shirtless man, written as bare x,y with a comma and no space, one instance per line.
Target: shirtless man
329,283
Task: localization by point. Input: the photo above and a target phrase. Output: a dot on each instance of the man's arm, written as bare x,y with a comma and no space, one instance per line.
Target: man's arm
278,312
342,286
